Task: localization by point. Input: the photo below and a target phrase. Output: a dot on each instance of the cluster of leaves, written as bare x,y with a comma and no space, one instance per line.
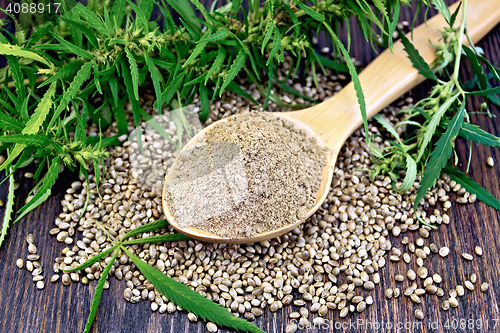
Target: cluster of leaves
435,122
90,61
176,292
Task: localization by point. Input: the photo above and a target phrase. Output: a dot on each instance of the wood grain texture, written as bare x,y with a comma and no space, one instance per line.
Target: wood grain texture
60,308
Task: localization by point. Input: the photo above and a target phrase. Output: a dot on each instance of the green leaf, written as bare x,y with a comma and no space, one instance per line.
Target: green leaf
237,89
33,125
235,6
416,59
146,7
185,10
268,32
9,207
39,32
454,16
92,18
311,12
204,103
219,60
15,50
136,108
134,71
196,52
332,64
27,139
382,121
72,91
44,191
238,63
202,9
476,67
118,12
153,71
477,134
17,75
190,300
167,95
219,35
73,48
440,155
431,128
146,228
157,239
68,69
276,46
7,121
141,20
93,260
442,8
90,34
472,187
355,79
98,293
411,175
486,92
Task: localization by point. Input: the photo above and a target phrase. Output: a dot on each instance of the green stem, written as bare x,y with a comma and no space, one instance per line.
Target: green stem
459,48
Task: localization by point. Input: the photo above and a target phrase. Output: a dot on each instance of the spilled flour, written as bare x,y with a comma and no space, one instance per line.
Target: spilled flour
251,174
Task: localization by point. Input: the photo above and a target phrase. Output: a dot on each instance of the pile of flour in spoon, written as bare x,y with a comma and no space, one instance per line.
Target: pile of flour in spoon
251,174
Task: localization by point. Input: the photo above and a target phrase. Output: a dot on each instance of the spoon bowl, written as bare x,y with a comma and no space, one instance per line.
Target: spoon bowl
331,122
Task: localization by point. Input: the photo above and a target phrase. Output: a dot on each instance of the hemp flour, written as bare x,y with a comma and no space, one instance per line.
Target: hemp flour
251,174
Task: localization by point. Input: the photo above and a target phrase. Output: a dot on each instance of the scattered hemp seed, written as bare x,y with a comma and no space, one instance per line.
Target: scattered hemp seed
460,290
473,278
422,272
291,328
437,278
443,252
469,285
453,302
467,256
411,274
30,238
29,266
484,287
399,278
40,285
415,299
478,250
388,293
419,291
19,263
192,317
419,314
32,248
490,161
211,327
431,289
406,258
445,305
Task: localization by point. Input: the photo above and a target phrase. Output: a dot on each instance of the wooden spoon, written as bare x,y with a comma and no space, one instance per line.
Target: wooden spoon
384,80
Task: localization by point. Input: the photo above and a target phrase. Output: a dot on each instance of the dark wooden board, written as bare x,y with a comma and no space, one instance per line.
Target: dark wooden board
60,308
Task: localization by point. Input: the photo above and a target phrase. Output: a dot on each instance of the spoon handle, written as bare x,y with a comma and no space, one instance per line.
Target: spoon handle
391,75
